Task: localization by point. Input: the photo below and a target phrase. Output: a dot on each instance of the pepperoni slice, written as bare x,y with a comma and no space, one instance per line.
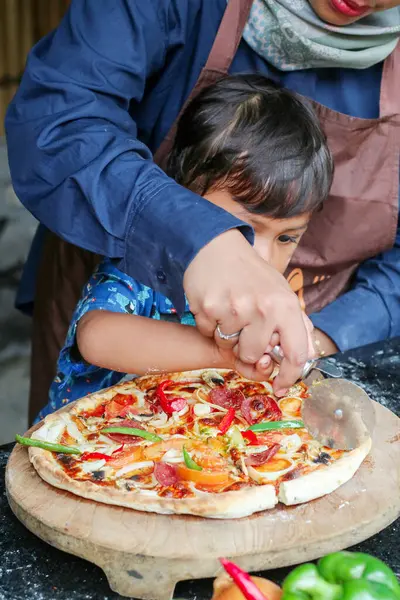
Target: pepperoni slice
178,404
122,438
165,474
262,457
260,406
227,398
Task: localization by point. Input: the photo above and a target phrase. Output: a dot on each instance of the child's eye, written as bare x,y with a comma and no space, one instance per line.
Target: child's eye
287,239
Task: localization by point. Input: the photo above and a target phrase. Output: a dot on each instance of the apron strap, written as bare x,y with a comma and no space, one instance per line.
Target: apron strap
390,96
219,60
229,35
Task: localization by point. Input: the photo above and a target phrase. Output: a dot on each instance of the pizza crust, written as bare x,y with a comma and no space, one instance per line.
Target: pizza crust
324,480
229,505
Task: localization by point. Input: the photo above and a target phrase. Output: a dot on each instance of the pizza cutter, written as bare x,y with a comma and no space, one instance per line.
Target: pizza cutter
337,413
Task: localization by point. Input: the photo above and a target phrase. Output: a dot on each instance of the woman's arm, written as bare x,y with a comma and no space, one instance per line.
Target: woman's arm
73,145
134,344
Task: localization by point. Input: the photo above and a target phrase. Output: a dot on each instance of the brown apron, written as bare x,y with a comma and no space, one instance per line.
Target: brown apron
363,205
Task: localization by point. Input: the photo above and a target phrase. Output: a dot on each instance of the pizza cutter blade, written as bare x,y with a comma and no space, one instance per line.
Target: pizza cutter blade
337,413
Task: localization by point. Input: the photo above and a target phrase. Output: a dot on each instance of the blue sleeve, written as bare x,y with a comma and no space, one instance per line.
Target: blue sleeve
76,162
370,311
109,289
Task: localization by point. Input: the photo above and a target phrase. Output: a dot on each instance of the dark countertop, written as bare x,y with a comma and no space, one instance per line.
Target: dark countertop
31,569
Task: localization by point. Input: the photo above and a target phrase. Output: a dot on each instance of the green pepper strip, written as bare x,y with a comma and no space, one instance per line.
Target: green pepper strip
342,576
189,462
152,437
271,425
25,441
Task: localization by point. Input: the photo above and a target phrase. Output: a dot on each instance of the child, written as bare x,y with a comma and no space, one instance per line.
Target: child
253,149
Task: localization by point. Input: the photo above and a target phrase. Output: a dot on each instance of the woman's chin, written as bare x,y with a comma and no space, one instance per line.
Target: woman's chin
326,11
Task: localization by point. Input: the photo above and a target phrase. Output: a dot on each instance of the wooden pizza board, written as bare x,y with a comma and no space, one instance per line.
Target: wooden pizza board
144,555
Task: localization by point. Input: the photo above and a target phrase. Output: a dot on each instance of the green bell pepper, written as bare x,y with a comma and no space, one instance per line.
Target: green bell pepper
342,576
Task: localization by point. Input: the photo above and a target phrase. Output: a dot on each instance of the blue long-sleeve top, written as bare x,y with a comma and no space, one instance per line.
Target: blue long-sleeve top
97,98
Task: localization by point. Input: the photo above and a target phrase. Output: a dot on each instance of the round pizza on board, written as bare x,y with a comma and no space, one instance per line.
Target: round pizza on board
208,443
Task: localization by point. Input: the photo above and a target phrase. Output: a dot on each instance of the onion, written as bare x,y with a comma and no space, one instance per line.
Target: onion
160,421
50,433
204,401
92,465
268,387
263,476
182,412
137,466
225,589
201,410
291,443
173,456
255,449
73,430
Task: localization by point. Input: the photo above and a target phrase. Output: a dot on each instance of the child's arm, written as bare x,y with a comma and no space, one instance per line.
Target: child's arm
134,344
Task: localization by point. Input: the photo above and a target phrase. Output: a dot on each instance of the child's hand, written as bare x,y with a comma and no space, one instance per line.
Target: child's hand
261,371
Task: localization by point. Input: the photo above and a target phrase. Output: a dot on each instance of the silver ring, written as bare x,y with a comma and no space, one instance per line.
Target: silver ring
227,336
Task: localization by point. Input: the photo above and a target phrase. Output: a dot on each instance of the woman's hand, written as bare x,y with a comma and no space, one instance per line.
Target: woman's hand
229,285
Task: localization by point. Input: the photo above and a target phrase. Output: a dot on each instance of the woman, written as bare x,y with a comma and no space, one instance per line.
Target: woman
101,93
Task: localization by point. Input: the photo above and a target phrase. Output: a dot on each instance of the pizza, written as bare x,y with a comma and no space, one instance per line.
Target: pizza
208,443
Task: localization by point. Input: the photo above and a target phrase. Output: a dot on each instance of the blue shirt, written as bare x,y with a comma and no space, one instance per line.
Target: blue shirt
112,290
97,98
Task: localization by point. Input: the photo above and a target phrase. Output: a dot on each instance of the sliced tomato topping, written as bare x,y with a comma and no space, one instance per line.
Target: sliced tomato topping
119,406
205,477
206,457
157,450
124,399
275,464
129,454
96,412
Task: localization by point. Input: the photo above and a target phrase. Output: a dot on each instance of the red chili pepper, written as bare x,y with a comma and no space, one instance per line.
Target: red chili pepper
95,456
227,420
243,581
251,437
172,405
160,393
118,450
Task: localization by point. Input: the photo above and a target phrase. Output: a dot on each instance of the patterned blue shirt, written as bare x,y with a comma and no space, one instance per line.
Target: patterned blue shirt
108,289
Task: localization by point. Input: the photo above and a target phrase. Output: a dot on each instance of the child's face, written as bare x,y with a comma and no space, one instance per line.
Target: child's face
275,239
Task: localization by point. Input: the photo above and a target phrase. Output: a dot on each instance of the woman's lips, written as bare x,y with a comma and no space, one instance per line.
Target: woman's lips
348,8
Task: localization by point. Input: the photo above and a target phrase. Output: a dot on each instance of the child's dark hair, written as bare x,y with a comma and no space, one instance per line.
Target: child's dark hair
262,143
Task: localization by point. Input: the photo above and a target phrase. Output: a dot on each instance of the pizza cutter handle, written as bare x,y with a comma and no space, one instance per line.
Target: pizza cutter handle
277,355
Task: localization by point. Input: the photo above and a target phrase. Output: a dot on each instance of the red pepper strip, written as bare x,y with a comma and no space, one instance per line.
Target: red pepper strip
95,456
169,406
243,581
100,455
251,437
160,393
227,420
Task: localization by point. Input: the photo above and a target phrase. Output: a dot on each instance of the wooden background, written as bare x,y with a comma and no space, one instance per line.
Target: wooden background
22,24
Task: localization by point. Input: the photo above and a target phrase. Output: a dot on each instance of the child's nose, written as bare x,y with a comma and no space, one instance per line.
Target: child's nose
265,249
